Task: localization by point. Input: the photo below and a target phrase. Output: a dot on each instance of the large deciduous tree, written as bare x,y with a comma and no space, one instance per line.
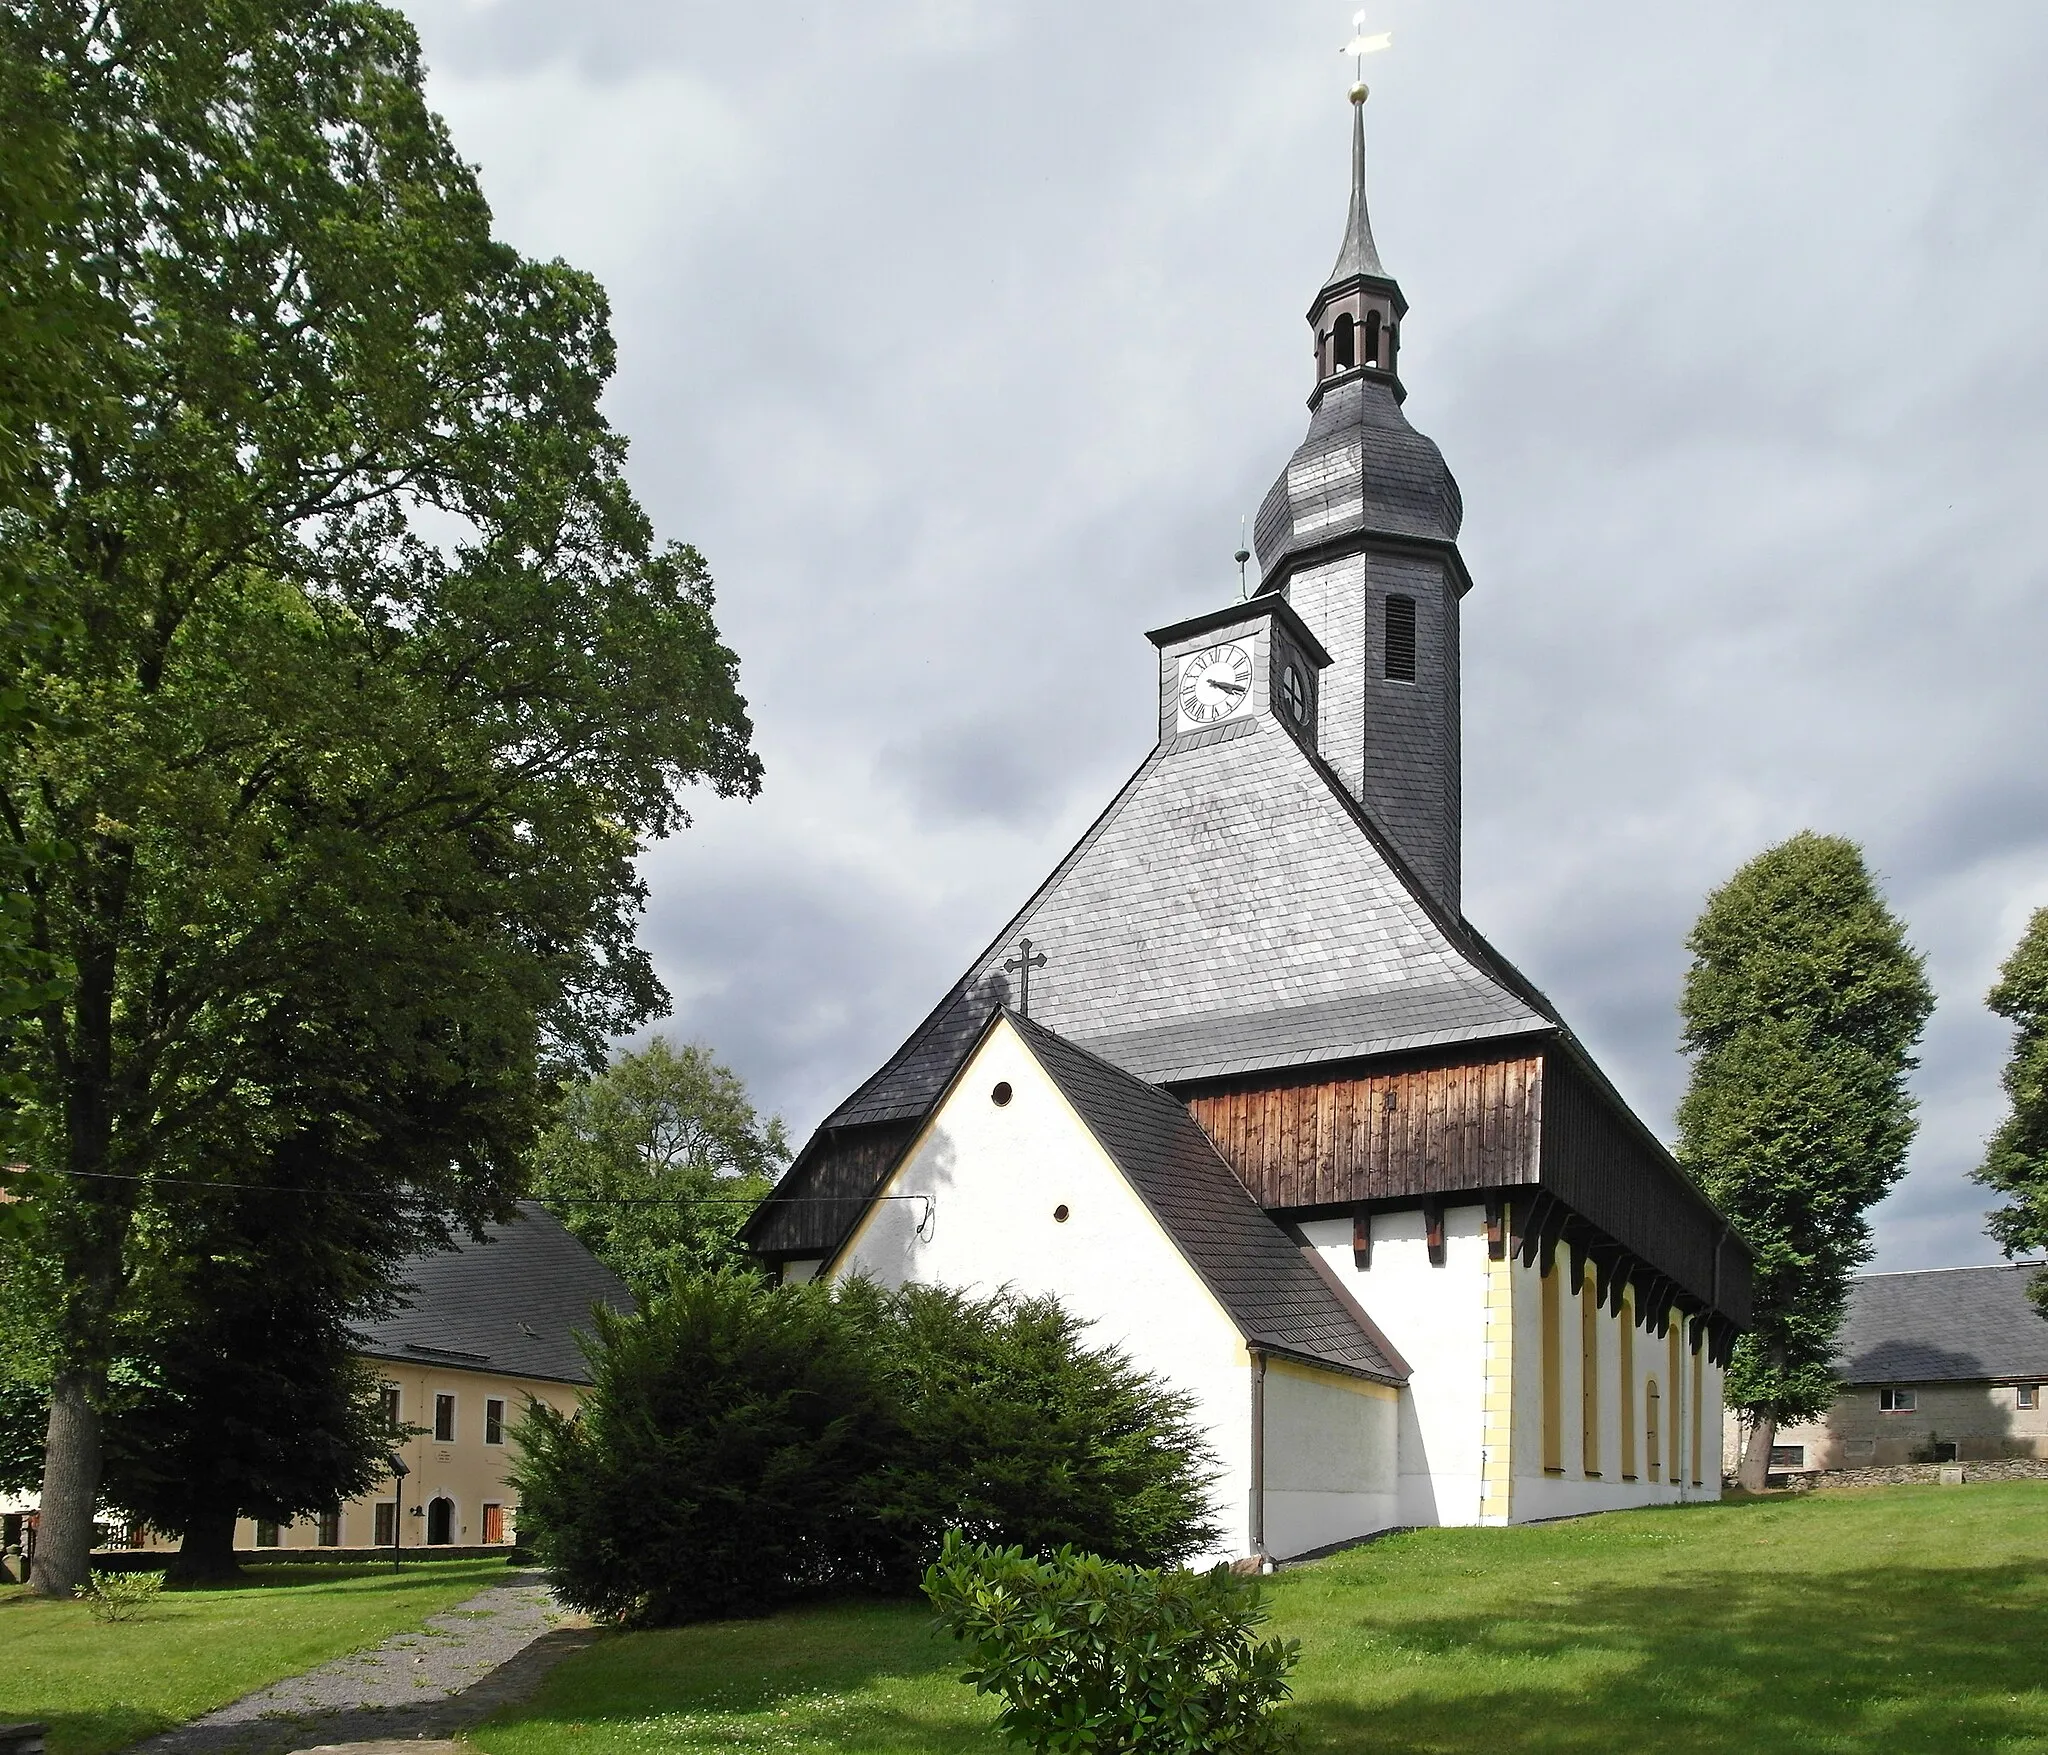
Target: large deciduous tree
656,1162
1802,1008
366,680
2016,1157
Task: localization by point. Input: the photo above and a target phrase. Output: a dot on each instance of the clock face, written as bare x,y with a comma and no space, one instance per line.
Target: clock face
1215,683
1294,694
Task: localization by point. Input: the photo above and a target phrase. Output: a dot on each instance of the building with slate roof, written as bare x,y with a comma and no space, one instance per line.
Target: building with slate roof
1263,936
486,1329
1942,1365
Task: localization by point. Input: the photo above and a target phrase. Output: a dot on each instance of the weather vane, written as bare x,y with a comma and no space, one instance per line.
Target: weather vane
1358,48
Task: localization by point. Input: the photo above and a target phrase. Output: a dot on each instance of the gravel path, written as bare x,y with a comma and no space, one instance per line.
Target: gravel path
462,1665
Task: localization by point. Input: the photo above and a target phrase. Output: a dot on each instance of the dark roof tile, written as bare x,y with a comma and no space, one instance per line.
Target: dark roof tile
1263,1281
514,1303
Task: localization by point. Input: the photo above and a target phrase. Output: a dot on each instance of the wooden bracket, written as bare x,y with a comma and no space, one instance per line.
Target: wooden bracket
1496,1229
1433,1228
1361,1240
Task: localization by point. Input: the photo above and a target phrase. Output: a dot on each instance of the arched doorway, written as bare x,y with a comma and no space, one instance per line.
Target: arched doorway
441,1523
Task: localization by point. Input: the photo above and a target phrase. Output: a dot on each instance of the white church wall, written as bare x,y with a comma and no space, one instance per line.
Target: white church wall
1332,1458
996,1175
1436,1318
1572,1491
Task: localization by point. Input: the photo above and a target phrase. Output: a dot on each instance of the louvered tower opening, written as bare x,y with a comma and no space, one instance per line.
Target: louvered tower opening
1400,639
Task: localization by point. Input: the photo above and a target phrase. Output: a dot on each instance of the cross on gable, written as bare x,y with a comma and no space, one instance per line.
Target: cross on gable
1022,964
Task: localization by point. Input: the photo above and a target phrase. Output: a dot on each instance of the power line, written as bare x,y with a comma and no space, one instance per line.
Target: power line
572,1200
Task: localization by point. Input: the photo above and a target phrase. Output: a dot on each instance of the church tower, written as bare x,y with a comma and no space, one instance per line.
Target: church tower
1360,534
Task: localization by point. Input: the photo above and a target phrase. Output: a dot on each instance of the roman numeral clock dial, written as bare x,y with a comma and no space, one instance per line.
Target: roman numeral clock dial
1215,683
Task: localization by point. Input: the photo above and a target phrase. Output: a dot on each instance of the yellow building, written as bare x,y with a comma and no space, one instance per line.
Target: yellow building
487,1330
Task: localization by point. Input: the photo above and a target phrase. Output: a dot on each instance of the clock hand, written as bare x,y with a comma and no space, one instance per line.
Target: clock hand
1229,688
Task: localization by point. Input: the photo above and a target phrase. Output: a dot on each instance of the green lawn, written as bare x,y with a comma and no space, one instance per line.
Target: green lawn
1908,1618
101,1687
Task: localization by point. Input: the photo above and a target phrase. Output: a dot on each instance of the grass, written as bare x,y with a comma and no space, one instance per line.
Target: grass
1902,1619
100,1687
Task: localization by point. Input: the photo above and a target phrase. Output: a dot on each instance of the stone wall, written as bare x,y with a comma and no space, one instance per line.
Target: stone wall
1927,1474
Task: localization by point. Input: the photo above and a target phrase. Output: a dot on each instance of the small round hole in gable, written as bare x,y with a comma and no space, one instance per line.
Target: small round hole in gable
1059,1215
1001,1094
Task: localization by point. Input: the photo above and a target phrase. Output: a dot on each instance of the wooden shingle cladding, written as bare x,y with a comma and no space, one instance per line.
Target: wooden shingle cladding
1520,1116
825,1191
1380,1132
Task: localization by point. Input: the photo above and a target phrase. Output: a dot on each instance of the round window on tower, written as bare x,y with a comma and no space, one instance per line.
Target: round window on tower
1294,695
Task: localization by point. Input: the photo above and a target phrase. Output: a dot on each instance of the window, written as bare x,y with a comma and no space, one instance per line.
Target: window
1628,1387
330,1528
387,1404
1676,1365
1553,1370
266,1534
494,1523
1343,344
1897,1401
444,1419
1945,1450
1788,1456
2027,1395
1589,1374
1294,694
1370,353
1400,642
494,1422
386,1524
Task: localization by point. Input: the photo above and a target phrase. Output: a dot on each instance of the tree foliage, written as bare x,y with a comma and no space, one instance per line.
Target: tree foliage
1801,1008
365,682
656,1161
1118,1660
747,1444
1017,1432
2016,1157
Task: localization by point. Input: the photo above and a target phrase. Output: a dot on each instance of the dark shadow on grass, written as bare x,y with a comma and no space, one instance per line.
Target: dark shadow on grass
1885,1656
810,1662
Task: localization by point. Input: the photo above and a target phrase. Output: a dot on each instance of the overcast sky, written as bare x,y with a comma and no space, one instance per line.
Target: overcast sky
959,336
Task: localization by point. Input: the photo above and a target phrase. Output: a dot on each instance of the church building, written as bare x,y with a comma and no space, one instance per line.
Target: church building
1241,1084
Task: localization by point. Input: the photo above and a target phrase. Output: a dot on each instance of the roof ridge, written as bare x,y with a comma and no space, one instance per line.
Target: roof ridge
1982,1267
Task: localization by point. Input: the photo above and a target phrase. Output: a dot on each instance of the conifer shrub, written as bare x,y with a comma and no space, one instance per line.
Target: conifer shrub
745,1445
1086,1654
1018,1433
720,1464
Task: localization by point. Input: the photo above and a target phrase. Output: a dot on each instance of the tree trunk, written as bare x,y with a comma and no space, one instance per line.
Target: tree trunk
207,1554
71,1484
1756,1450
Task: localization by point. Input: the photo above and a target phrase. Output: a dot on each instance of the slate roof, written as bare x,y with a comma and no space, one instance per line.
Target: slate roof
1231,910
1947,1325
1265,1282
1361,471
512,1304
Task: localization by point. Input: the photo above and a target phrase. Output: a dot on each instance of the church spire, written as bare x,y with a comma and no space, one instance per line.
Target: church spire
1359,256
1357,315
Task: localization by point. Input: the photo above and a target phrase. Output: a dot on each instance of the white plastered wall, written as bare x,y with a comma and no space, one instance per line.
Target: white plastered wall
1331,1458
995,1176
1436,1318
